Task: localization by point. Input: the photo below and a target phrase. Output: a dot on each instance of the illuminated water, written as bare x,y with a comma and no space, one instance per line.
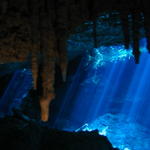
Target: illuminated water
123,133
17,89
110,92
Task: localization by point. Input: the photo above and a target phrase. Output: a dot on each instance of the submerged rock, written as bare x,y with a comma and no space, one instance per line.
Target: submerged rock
27,134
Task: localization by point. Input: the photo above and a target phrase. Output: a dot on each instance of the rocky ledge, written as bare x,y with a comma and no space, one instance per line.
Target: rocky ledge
18,132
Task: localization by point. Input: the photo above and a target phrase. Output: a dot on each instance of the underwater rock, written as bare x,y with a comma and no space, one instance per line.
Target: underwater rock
27,134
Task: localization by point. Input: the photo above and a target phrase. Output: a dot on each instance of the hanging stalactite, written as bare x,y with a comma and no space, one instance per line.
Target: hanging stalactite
136,19
147,28
62,24
63,62
34,21
125,26
135,29
146,13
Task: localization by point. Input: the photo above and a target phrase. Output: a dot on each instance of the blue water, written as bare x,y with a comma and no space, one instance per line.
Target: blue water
109,92
123,133
17,89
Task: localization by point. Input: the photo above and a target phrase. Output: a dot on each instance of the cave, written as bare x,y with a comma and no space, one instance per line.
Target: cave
74,74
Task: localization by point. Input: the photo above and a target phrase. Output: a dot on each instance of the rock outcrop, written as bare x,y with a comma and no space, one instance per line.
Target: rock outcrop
26,134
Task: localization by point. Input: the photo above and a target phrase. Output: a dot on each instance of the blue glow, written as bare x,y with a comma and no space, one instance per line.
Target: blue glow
109,92
103,55
17,89
124,134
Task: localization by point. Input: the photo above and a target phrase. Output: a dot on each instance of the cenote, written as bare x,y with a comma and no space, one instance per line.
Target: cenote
79,82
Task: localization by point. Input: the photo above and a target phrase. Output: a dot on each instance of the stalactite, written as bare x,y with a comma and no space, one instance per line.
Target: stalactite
34,63
43,44
125,28
48,59
63,58
50,54
147,29
48,72
34,20
146,13
61,32
135,29
124,12
48,79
